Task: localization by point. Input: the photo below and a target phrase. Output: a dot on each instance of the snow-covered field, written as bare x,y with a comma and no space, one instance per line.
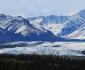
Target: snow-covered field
46,48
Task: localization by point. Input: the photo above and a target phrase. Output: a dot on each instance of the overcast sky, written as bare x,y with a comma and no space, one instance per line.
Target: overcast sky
29,8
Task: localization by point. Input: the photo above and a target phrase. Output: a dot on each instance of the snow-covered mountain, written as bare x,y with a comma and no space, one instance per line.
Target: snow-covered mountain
75,27
53,27
42,28
70,27
52,23
18,28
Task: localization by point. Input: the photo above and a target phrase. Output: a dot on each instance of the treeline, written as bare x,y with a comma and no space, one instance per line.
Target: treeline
40,62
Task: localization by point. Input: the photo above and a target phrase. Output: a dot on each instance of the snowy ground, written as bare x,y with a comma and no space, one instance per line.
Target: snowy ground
46,48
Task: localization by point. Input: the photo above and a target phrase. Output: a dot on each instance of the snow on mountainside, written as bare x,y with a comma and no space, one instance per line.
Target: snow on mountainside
74,28
54,28
43,28
4,21
37,23
71,27
51,23
18,25
80,32
18,28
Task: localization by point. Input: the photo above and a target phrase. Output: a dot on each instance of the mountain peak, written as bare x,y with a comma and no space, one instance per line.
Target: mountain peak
2,16
82,13
19,18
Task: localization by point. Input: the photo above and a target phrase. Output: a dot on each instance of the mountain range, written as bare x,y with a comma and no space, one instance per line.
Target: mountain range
43,28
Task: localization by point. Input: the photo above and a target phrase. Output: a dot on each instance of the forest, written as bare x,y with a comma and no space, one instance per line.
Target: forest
41,62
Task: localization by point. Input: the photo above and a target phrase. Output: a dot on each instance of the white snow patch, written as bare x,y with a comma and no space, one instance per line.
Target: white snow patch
54,28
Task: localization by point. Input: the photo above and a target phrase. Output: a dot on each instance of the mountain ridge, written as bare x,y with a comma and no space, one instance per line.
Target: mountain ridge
43,28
